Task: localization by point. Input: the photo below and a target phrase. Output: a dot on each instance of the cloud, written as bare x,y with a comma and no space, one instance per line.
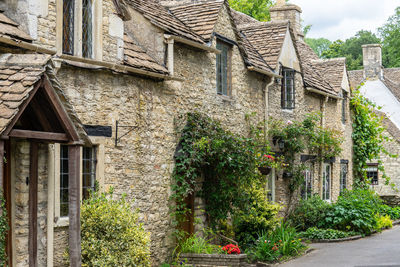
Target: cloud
341,19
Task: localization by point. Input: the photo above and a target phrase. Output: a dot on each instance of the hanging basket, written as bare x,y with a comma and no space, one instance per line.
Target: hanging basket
265,170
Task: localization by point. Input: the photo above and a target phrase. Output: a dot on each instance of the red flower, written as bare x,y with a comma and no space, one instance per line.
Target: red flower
231,249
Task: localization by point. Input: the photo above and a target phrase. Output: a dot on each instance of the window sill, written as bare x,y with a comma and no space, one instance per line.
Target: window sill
61,222
288,110
226,98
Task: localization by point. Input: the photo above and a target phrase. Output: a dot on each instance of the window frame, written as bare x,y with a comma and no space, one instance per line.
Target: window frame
224,47
343,178
286,102
372,179
99,144
97,29
307,188
326,185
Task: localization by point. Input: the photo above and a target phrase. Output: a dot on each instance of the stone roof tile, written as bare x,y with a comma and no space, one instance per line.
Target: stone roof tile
333,71
136,57
10,28
200,17
162,18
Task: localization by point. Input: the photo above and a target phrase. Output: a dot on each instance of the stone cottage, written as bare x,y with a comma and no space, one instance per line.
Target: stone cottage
119,75
382,86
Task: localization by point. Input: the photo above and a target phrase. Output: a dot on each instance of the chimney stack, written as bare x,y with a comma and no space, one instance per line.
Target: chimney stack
283,11
372,61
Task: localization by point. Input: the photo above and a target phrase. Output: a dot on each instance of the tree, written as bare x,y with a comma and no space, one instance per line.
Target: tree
319,45
334,50
390,34
258,9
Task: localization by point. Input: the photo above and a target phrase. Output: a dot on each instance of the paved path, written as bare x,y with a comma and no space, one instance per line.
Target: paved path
381,250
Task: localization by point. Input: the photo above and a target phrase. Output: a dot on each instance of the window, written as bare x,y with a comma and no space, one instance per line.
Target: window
223,68
87,29
89,162
326,182
78,27
64,187
288,89
344,107
271,186
372,173
344,169
306,189
68,27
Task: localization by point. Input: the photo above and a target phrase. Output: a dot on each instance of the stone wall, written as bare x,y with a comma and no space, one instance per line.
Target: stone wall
142,163
21,222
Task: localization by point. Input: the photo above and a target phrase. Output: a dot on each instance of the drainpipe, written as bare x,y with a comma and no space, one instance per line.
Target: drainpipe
323,110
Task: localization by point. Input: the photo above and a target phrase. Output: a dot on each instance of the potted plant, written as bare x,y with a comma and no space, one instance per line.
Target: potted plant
267,162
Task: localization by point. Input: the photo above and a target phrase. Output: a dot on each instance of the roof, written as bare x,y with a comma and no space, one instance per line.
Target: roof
390,126
136,57
19,74
252,57
356,77
162,18
10,28
313,73
333,70
241,18
200,17
267,38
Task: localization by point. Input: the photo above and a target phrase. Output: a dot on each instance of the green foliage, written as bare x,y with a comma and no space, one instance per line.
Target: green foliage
281,243
384,222
3,229
351,49
258,9
314,233
355,210
368,137
319,45
261,215
394,213
309,213
225,160
390,33
302,136
198,245
111,234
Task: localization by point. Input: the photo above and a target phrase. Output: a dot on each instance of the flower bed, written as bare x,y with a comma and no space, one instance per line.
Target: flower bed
220,260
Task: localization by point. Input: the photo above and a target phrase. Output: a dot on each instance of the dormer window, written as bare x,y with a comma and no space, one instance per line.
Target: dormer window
224,68
288,89
78,27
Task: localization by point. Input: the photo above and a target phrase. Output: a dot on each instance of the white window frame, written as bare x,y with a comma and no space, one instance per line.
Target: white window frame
343,182
99,142
97,32
327,184
308,173
270,186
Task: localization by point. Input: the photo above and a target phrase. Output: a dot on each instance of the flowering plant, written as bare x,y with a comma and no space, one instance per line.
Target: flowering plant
269,161
231,249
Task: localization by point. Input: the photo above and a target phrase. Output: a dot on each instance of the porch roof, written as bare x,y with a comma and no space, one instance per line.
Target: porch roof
20,77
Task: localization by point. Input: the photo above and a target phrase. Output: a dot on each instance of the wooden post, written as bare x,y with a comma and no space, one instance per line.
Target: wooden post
74,206
1,167
33,202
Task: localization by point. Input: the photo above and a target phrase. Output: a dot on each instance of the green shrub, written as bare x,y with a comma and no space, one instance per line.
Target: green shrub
198,245
111,234
283,242
354,211
394,213
309,213
384,222
314,233
260,216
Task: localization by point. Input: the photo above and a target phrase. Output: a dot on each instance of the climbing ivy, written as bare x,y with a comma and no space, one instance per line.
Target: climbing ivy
368,138
225,162
303,137
3,230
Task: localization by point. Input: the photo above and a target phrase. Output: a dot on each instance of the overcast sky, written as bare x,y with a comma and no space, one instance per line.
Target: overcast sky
341,19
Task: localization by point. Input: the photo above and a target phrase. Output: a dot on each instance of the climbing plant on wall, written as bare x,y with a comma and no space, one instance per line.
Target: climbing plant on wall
225,162
368,137
3,230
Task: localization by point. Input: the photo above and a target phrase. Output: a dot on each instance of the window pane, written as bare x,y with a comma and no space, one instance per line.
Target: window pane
87,29
64,181
68,26
222,68
89,171
288,89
